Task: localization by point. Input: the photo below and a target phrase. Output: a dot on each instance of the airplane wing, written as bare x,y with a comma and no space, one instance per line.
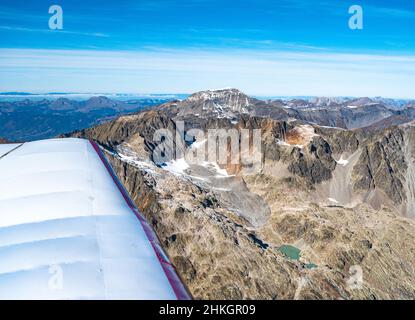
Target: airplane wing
69,230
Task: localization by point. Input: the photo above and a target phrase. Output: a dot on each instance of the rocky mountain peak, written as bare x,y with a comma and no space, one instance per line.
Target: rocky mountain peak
327,101
223,98
216,94
62,104
100,100
361,101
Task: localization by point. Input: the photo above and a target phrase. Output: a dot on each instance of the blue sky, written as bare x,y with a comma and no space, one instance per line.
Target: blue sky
264,47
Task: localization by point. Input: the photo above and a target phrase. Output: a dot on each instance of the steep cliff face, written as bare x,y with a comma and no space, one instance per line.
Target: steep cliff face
315,164
347,115
324,203
409,154
385,169
342,141
144,124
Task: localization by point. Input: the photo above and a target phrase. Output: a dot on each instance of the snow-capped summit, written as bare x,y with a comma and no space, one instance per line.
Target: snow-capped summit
327,101
221,100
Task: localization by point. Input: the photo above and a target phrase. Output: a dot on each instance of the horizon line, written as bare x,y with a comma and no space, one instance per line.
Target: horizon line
276,96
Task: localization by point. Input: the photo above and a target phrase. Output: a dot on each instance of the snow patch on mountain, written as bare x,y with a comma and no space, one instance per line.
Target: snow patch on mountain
343,162
177,167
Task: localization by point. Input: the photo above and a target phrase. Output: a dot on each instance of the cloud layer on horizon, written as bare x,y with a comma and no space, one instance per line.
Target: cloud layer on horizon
184,71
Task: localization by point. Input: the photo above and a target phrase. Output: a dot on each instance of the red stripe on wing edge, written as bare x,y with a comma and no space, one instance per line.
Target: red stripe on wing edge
177,285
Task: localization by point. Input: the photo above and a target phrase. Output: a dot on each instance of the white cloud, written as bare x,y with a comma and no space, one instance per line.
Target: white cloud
24,29
259,73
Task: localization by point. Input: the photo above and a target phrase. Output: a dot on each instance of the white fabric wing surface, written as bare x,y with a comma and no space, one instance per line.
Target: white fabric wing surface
68,230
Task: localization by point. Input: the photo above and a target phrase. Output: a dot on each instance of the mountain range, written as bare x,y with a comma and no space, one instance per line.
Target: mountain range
329,214
32,117
28,119
346,113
